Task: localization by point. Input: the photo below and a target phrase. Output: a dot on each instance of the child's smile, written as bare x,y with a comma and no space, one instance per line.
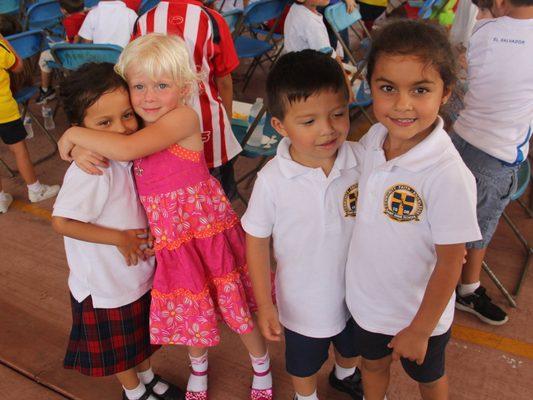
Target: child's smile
152,97
407,96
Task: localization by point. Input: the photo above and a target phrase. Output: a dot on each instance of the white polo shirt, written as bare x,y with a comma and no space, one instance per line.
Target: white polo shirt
305,29
110,22
310,217
498,113
406,206
99,270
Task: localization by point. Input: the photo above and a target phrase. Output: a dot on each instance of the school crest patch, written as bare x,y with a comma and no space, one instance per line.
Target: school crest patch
349,202
402,203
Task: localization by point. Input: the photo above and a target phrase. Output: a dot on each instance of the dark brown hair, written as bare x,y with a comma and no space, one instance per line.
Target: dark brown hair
83,87
424,40
298,75
72,6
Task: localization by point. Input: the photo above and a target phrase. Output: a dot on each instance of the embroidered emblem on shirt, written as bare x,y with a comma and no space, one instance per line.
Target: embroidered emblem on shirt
349,201
206,136
176,20
402,203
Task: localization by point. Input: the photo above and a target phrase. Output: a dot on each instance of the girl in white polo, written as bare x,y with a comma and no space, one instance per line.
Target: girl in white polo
415,211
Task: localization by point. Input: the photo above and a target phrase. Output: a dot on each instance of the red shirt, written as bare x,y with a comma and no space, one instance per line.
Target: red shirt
72,24
133,4
189,20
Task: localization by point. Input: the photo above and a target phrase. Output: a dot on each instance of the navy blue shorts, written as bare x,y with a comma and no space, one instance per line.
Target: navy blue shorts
304,355
12,132
373,346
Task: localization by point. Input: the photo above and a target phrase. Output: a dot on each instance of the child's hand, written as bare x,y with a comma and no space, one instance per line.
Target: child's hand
65,146
409,344
149,250
88,161
268,322
350,5
130,247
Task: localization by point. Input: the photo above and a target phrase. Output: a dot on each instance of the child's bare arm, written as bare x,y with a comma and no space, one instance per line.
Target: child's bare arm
171,128
128,241
88,161
225,90
411,342
258,259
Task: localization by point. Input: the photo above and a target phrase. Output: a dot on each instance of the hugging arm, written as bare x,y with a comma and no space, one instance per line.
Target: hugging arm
171,128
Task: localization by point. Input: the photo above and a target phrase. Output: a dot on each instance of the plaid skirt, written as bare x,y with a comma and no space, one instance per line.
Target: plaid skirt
107,341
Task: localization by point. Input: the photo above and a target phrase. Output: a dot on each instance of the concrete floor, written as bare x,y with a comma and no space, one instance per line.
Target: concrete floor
483,362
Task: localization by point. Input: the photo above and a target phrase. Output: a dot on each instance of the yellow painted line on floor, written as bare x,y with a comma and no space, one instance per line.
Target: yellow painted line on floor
492,341
460,332
31,209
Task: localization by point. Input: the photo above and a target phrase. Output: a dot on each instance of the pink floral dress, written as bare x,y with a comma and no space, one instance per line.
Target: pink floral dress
200,251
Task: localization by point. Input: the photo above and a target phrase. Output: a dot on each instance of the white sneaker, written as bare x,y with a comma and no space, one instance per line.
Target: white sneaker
46,192
5,203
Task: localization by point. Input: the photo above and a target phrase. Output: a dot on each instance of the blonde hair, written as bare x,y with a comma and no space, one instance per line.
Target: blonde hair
158,54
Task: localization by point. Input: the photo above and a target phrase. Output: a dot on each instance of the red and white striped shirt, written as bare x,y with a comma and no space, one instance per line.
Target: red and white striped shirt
189,20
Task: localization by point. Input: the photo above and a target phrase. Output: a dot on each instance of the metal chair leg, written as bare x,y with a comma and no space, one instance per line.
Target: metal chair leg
498,284
527,247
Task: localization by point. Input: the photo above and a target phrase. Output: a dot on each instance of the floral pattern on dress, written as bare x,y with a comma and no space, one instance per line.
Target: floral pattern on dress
198,211
190,319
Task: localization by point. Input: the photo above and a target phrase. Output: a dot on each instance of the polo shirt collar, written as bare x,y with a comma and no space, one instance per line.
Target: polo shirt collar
290,168
423,155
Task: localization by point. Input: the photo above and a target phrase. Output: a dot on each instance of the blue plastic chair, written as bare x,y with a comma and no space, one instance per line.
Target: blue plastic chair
339,20
90,3
29,44
250,46
11,7
233,18
147,5
46,15
71,56
524,179
243,131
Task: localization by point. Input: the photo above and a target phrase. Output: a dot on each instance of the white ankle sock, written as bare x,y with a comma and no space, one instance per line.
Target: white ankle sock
136,394
469,288
310,397
147,376
3,195
198,383
260,365
342,373
35,186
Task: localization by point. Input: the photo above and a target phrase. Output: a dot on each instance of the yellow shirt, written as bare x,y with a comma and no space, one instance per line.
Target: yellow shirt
9,110
379,3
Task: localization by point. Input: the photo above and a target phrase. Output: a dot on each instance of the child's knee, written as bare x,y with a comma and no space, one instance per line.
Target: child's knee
375,366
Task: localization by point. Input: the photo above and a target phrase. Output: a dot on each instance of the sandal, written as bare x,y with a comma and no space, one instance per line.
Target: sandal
202,395
173,392
261,394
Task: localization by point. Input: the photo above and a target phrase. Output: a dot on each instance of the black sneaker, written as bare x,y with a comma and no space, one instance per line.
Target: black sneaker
44,96
351,384
479,304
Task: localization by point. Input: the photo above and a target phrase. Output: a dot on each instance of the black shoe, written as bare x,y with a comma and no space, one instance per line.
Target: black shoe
45,96
173,392
479,304
351,384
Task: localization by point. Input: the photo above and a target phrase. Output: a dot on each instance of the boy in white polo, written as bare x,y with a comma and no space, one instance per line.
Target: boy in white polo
415,211
110,22
493,132
304,199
